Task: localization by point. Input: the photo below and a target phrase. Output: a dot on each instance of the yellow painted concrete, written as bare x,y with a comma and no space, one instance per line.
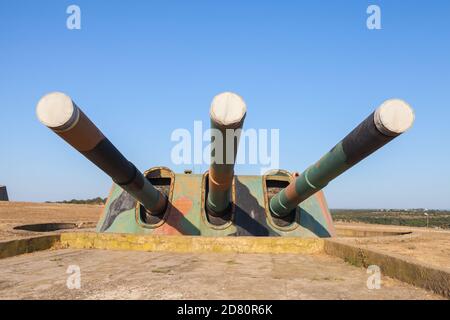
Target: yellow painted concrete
191,243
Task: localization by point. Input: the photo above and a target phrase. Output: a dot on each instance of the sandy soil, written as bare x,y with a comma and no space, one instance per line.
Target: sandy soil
20,213
428,246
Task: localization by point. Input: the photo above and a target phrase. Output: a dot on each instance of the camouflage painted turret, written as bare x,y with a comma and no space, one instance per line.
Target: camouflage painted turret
218,202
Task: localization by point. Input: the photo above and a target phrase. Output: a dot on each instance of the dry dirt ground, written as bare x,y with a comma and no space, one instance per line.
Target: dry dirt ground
118,274
429,246
21,213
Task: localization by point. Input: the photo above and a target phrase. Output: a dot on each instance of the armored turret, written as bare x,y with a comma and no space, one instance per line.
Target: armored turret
219,203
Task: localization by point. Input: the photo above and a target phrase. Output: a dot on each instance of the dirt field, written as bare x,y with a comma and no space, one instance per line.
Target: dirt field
429,246
19,213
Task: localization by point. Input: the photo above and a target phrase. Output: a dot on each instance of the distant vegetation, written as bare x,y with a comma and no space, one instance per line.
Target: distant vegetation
97,200
404,217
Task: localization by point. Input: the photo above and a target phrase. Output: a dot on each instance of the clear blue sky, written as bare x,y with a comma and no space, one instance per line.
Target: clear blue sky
141,69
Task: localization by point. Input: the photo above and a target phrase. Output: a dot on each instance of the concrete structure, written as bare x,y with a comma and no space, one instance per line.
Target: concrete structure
3,194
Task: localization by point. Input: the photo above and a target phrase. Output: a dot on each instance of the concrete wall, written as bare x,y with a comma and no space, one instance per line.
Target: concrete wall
3,193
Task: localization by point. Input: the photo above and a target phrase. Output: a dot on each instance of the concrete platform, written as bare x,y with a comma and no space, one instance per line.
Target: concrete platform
415,256
159,275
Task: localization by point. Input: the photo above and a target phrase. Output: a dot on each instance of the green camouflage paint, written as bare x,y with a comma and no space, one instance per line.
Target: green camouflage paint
186,212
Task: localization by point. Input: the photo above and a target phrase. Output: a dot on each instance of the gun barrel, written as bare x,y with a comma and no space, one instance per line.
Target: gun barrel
390,120
58,112
228,111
